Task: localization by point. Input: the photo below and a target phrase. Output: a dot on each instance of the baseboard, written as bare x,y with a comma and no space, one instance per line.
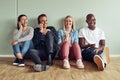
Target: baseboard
13,55
114,55
6,55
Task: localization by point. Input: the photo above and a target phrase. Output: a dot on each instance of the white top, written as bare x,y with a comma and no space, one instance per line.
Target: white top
92,36
28,34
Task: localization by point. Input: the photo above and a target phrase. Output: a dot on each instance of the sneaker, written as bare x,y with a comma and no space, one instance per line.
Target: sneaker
16,62
21,63
79,63
40,67
99,62
66,64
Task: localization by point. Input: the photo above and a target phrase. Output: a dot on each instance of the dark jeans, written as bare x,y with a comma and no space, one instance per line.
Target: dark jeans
88,54
43,54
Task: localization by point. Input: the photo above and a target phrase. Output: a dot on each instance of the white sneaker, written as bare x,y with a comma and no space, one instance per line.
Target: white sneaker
99,62
79,63
66,64
21,65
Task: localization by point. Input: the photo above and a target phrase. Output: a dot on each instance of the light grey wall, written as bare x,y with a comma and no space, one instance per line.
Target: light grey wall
7,23
106,12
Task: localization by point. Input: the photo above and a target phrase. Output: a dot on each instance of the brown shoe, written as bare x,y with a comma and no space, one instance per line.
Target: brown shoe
99,62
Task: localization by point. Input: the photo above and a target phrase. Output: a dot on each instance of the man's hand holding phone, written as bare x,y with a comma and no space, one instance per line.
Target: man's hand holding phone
42,29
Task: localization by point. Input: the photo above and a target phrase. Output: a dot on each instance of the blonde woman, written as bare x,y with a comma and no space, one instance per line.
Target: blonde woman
68,41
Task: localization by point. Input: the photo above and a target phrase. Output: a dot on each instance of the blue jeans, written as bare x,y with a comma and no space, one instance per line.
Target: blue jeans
26,45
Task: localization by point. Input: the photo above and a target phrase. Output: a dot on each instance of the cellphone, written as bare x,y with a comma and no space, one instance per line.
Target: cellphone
22,25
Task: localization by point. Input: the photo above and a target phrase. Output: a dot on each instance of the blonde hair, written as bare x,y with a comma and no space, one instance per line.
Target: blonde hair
73,24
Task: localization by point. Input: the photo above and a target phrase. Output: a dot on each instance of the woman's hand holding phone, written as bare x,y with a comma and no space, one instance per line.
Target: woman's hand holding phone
20,25
41,26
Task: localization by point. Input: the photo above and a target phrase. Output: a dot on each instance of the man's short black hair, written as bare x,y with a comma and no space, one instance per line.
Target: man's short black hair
42,15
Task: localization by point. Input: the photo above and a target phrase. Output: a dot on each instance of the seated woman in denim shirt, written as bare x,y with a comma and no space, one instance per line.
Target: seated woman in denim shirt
68,41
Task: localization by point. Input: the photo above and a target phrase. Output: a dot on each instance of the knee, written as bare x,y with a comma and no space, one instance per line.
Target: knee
27,42
66,43
32,52
15,45
49,34
75,44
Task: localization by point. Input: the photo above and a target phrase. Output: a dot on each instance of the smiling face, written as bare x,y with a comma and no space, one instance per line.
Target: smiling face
91,21
24,21
43,20
68,22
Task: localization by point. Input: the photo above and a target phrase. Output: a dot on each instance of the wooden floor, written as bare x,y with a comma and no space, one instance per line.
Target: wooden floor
56,72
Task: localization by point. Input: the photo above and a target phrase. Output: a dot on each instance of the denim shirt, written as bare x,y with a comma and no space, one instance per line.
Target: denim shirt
73,33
